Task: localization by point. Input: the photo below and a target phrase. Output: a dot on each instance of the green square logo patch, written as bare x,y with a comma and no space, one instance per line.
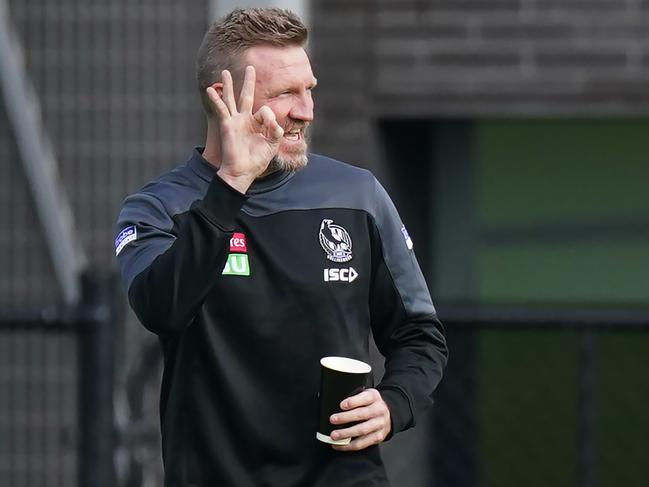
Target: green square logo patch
237,265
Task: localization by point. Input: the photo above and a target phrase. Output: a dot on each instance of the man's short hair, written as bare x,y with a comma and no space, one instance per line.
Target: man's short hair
241,29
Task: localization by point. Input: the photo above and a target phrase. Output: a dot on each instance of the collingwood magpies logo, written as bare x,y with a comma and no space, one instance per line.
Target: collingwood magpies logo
335,241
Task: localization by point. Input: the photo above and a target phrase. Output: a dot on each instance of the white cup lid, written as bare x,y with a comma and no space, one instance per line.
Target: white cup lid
344,364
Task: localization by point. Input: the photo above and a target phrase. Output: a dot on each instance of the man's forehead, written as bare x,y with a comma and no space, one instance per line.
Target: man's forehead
273,58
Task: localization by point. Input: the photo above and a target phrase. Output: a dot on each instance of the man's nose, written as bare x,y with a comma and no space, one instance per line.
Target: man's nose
303,108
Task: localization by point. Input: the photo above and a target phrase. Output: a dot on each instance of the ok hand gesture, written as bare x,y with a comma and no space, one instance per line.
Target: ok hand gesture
248,141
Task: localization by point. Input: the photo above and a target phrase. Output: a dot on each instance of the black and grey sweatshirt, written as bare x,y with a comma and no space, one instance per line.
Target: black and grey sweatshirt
247,292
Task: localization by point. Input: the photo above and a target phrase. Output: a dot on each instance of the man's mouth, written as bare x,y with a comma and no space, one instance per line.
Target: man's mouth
296,132
293,135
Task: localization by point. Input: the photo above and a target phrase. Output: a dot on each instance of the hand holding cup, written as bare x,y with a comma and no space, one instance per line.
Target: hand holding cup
346,400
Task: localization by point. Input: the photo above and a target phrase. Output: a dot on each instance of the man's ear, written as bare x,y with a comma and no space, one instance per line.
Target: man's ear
218,87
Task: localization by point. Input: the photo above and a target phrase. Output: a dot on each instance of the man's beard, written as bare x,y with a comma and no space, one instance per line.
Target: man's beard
291,161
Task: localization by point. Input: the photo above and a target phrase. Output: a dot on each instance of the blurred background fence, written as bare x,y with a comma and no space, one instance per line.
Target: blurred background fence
39,410
512,134
549,396
56,384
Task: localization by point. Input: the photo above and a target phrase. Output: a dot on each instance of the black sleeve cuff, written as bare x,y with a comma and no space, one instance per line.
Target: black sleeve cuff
221,204
400,410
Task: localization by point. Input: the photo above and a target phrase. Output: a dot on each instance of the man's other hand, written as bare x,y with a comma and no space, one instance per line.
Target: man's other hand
369,408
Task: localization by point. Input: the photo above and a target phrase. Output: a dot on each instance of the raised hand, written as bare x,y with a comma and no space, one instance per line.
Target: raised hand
248,141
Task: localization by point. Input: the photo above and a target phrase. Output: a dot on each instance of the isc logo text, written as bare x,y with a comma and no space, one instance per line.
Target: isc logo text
342,275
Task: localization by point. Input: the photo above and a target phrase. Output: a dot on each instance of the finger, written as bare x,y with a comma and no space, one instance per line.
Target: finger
364,398
228,91
264,116
361,442
275,132
247,95
217,103
269,126
360,429
358,414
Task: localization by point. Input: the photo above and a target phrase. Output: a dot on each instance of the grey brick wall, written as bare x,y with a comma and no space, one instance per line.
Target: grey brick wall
339,45
469,58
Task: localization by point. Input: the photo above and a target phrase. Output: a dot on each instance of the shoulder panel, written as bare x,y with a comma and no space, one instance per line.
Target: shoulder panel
324,183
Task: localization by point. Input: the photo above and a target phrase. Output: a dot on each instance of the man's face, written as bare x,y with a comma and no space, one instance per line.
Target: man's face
284,83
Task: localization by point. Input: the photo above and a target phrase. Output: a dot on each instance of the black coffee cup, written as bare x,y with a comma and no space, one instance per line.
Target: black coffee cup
340,377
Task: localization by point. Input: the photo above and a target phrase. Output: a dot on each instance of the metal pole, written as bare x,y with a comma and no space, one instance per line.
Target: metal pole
96,376
37,156
587,410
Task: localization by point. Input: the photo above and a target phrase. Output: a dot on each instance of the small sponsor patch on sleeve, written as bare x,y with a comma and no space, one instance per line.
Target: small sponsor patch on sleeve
125,236
406,237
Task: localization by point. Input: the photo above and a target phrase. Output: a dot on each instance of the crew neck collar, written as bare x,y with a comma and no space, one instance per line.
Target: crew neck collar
206,171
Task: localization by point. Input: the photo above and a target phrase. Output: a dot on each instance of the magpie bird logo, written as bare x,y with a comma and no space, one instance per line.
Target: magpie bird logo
335,241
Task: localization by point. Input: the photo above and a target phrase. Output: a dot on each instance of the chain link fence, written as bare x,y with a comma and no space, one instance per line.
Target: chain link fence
38,406
116,89
56,392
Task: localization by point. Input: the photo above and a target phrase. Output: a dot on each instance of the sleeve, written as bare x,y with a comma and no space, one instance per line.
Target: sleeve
404,322
169,265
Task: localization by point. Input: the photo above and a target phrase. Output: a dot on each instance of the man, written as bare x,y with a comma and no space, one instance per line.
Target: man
254,260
